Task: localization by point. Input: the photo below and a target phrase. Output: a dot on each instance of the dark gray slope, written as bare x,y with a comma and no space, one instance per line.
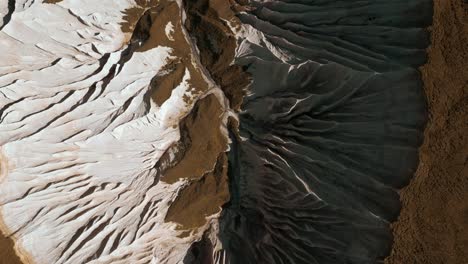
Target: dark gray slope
343,115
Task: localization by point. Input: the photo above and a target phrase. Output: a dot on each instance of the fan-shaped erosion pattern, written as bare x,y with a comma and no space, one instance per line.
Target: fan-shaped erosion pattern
329,129
208,131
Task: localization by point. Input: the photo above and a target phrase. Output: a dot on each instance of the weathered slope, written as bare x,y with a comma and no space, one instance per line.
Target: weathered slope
330,129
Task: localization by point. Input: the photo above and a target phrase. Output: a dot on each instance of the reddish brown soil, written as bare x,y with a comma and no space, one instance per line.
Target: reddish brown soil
7,253
433,225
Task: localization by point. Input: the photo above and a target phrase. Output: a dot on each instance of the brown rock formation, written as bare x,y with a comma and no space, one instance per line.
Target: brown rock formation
52,1
204,140
217,44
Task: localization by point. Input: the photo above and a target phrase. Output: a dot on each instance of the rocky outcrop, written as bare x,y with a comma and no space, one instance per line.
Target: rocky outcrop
85,121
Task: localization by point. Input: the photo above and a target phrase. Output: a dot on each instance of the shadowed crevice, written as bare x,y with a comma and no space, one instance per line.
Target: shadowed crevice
11,10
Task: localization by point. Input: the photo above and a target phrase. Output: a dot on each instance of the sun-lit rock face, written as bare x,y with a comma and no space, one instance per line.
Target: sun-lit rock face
92,94
208,131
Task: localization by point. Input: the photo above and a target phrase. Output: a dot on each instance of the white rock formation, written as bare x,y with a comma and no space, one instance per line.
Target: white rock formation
80,137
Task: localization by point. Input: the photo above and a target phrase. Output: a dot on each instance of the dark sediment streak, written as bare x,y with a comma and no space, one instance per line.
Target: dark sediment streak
11,10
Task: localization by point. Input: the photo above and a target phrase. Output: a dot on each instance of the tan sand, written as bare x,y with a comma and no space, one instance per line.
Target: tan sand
52,1
433,225
7,252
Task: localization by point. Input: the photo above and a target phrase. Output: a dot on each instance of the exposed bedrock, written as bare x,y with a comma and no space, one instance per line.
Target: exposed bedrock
329,129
